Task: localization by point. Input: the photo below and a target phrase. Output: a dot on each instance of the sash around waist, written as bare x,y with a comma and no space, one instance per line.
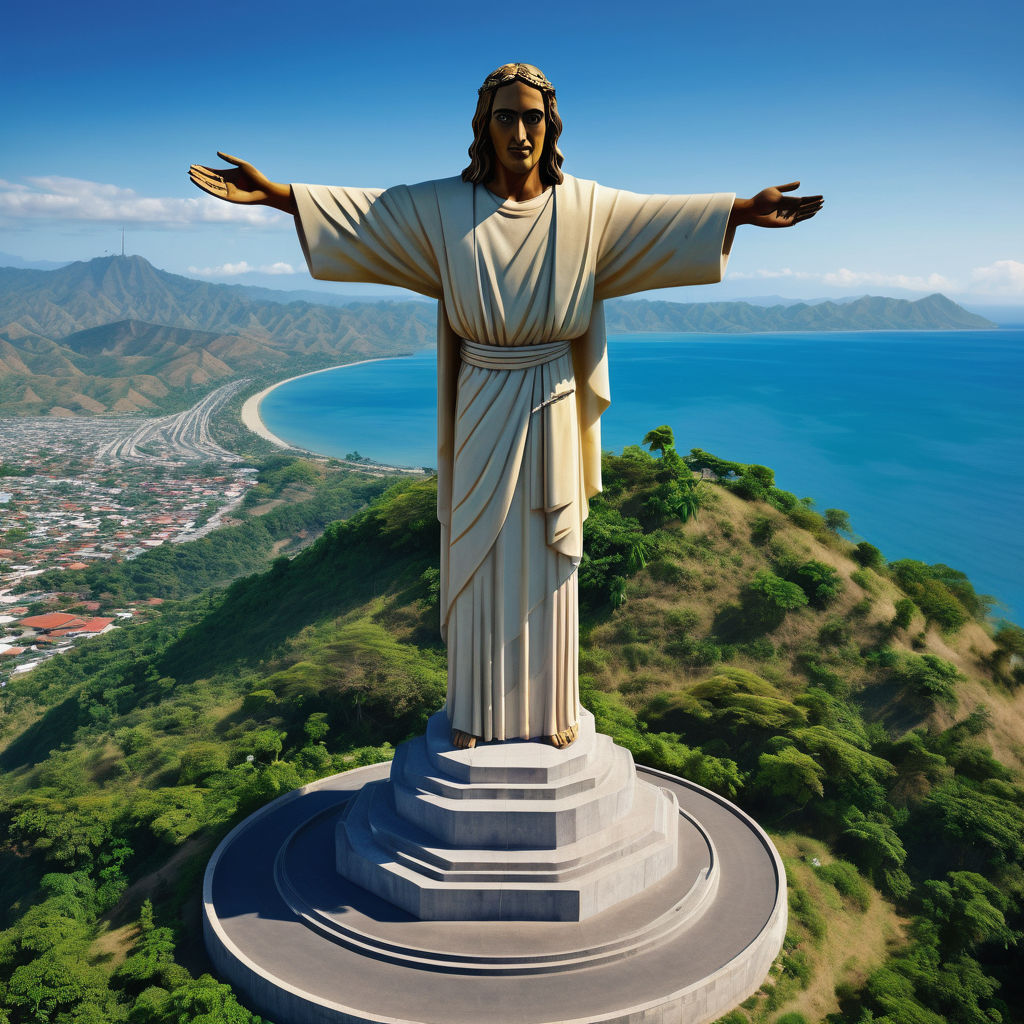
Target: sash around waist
512,357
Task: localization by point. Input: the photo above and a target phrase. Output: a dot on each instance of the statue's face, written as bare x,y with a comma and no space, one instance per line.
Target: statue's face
517,127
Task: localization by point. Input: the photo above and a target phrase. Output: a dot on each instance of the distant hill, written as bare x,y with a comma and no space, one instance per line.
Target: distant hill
116,334
868,313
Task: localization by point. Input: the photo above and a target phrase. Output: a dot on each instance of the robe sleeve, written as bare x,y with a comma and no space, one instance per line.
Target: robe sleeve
659,241
370,235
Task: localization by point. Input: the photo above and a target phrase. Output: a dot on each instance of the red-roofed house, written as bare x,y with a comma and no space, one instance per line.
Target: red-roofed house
51,620
84,627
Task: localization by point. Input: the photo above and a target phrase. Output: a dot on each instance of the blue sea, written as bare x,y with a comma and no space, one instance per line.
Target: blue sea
919,436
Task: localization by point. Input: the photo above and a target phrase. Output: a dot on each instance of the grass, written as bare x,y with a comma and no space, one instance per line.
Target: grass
853,943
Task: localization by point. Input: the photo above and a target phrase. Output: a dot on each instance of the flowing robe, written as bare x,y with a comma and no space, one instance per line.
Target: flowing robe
522,383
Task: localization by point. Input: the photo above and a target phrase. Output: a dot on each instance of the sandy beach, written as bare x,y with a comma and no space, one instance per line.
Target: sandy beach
251,407
251,419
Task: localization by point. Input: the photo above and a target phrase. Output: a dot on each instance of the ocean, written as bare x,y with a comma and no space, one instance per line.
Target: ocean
919,436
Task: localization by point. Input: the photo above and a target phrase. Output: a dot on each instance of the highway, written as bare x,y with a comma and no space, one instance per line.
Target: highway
184,436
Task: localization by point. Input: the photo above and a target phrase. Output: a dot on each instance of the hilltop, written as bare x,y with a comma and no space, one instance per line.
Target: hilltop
865,712
117,335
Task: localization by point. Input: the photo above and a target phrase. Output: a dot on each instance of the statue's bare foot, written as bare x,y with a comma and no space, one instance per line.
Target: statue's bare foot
463,740
564,738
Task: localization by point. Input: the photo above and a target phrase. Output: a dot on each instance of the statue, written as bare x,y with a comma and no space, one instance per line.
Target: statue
520,258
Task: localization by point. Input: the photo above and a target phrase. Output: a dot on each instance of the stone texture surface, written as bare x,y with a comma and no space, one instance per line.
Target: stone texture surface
515,831
619,967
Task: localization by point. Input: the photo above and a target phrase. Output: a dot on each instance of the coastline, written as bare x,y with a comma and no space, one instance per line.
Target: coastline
250,412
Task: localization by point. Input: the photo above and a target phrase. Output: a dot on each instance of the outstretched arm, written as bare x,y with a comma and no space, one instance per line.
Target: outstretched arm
771,208
242,183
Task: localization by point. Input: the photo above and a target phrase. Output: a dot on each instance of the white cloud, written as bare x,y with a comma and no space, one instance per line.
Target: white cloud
235,269
845,278
73,199
1004,277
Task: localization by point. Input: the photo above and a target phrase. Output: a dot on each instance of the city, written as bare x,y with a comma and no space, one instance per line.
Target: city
77,491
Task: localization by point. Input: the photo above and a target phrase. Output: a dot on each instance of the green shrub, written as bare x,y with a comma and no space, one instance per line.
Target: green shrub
762,529
847,882
905,609
258,701
802,907
834,633
794,1017
865,579
820,582
928,678
868,555
776,594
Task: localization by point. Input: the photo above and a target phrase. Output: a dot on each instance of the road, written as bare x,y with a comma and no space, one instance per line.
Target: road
181,437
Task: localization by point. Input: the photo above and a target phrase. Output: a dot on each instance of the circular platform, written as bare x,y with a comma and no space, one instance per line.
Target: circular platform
300,943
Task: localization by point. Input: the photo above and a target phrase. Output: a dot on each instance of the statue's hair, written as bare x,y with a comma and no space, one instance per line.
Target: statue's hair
481,152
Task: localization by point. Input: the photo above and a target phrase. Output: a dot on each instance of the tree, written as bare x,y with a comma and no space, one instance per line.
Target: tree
790,775
660,439
875,840
1008,657
152,955
837,520
928,678
205,1000
905,609
969,910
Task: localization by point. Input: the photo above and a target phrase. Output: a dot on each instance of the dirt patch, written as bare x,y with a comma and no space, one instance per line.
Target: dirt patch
113,945
150,885
267,506
855,942
1006,737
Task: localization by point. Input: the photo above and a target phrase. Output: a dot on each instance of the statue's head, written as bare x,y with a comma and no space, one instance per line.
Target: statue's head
481,153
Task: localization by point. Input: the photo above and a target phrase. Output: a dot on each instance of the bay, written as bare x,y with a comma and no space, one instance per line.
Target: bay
919,436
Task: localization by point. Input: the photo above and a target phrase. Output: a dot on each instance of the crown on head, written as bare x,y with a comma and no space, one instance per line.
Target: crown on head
517,73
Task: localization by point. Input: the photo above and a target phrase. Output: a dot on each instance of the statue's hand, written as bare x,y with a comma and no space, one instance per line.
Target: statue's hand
242,183
771,208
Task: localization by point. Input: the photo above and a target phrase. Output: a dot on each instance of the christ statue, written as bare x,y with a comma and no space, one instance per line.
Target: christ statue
520,257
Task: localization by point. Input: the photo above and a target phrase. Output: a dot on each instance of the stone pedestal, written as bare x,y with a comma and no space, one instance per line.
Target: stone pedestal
514,831
513,882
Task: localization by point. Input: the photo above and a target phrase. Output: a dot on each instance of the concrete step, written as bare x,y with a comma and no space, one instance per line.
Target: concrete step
645,825
413,766
418,887
518,823
512,761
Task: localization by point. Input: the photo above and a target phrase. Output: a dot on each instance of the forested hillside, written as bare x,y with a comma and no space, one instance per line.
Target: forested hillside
865,712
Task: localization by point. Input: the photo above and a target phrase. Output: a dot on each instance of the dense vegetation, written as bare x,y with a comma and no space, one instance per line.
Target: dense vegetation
730,633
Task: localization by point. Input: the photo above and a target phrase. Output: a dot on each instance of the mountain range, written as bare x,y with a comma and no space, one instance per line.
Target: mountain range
117,335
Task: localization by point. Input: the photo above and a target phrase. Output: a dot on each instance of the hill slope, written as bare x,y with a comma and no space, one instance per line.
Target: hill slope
861,710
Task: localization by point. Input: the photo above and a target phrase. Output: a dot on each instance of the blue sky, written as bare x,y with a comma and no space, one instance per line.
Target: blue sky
907,116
